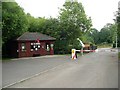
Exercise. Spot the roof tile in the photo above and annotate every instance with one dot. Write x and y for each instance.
(34, 36)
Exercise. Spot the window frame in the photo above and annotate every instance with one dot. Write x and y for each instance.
(23, 44)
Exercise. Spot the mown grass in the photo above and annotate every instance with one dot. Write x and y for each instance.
(104, 45)
(6, 59)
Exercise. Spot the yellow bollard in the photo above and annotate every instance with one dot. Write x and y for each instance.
(73, 54)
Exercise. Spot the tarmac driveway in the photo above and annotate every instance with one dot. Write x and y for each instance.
(18, 69)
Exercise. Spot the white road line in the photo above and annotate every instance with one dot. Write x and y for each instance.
(36, 57)
(22, 80)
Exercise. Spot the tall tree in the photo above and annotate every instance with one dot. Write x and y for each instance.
(93, 36)
(14, 20)
(14, 23)
(35, 24)
(74, 23)
(108, 33)
(118, 25)
(51, 27)
(105, 35)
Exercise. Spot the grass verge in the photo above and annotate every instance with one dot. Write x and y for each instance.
(104, 45)
(6, 59)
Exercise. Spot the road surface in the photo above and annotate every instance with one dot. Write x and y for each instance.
(93, 70)
(18, 69)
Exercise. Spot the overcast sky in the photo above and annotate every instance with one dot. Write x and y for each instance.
(101, 11)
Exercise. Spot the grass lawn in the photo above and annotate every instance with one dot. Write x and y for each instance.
(6, 59)
(104, 45)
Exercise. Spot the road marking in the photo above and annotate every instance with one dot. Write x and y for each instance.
(48, 56)
(22, 80)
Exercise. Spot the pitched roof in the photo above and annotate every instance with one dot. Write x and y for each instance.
(34, 36)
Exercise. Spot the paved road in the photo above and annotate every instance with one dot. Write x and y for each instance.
(17, 70)
(93, 70)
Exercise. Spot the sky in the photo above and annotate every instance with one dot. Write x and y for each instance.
(101, 11)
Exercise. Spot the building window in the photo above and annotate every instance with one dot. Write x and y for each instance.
(35, 46)
(51, 45)
(47, 47)
(23, 47)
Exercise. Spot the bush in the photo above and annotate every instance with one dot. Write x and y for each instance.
(114, 45)
(119, 55)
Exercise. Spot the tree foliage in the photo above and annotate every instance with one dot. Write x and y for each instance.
(118, 26)
(74, 23)
(71, 24)
(105, 35)
(14, 21)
